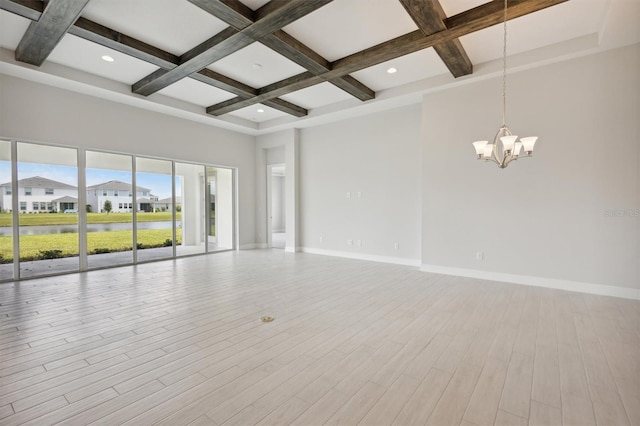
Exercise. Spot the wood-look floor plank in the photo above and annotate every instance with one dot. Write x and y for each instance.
(421, 404)
(389, 405)
(285, 413)
(358, 405)
(544, 415)
(516, 395)
(483, 406)
(505, 418)
(118, 403)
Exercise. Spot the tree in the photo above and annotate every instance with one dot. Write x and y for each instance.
(88, 207)
(107, 206)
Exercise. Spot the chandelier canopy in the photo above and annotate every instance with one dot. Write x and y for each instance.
(505, 147)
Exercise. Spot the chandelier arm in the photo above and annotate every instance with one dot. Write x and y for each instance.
(509, 160)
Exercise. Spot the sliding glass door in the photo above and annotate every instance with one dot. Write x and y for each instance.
(47, 193)
(109, 209)
(6, 213)
(155, 225)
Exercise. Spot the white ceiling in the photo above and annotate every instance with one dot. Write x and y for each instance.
(336, 30)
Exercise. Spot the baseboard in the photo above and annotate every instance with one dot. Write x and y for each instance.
(581, 287)
(362, 256)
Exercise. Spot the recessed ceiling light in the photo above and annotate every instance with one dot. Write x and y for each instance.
(392, 70)
(260, 110)
(256, 66)
(107, 58)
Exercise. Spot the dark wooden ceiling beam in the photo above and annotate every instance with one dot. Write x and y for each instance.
(239, 16)
(478, 18)
(43, 35)
(285, 106)
(270, 18)
(429, 17)
(104, 36)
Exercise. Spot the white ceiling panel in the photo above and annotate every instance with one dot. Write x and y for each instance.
(413, 67)
(12, 28)
(316, 96)
(255, 4)
(172, 25)
(253, 113)
(84, 55)
(344, 27)
(536, 30)
(257, 66)
(196, 92)
(453, 7)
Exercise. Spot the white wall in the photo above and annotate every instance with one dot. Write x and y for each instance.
(378, 156)
(546, 216)
(275, 155)
(34, 112)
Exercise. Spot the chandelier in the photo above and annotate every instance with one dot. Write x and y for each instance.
(505, 147)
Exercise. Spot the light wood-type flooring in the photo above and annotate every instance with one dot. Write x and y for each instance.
(353, 342)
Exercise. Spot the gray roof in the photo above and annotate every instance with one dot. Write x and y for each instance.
(169, 200)
(40, 182)
(144, 201)
(66, 199)
(117, 185)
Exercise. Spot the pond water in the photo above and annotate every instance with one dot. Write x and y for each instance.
(92, 227)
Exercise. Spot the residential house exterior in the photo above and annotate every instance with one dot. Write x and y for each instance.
(166, 204)
(40, 195)
(121, 197)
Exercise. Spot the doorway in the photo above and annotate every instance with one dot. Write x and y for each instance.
(276, 206)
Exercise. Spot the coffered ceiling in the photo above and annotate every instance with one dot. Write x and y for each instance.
(257, 65)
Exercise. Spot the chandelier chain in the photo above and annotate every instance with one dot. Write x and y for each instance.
(504, 69)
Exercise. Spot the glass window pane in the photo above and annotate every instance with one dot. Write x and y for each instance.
(109, 223)
(190, 208)
(154, 226)
(6, 216)
(49, 236)
(220, 209)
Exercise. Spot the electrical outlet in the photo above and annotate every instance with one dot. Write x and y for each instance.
(349, 242)
(348, 194)
(321, 238)
(359, 194)
(396, 246)
(359, 243)
(480, 255)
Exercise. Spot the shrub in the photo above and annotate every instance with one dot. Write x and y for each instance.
(140, 246)
(102, 250)
(88, 208)
(49, 254)
(178, 208)
(167, 243)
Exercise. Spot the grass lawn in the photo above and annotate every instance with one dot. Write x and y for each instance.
(32, 245)
(72, 219)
